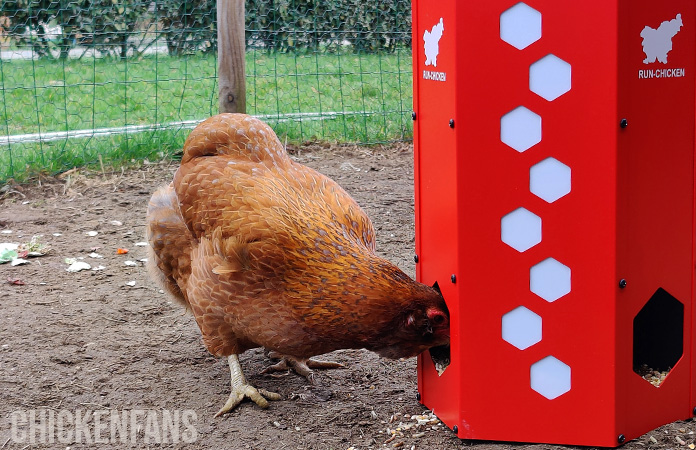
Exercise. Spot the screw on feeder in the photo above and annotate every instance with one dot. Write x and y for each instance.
(413, 115)
(621, 439)
(451, 123)
(622, 283)
(623, 123)
(455, 429)
(453, 278)
(415, 258)
(418, 397)
(694, 410)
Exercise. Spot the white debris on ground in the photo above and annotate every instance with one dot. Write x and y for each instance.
(76, 266)
(15, 254)
(403, 428)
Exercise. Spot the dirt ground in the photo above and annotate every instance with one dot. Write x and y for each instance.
(95, 341)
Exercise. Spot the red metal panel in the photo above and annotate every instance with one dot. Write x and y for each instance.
(630, 213)
(656, 202)
(578, 328)
(436, 194)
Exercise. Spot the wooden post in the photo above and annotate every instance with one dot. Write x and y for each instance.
(231, 49)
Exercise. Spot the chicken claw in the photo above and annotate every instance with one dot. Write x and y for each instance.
(300, 366)
(241, 388)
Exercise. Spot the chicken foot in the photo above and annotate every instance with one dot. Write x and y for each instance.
(241, 388)
(301, 366)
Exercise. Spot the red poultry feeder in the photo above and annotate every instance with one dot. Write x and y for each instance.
(554, 168)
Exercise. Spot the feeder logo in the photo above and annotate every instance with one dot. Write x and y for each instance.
(657, 43)
(431, 45)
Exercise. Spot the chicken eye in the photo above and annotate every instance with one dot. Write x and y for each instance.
(438, 319)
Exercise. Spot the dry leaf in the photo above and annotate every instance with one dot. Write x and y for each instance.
(15, 281)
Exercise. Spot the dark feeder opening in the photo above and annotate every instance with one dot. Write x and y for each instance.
(441, 354)
(658, 337)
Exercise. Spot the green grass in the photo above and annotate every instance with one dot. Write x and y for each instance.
(371, 95)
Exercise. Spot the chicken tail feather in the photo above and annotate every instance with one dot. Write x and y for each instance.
(169, 261)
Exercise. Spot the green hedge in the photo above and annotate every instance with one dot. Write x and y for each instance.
(53, 27)
(291, 25)
(188, 26)
(123, 28)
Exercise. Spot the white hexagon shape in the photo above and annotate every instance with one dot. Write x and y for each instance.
(550, 377)
(549, 179)
(521, 327)
(520, 26)
(520, 129)
(521, 229)
(549, 77)
(549, 280)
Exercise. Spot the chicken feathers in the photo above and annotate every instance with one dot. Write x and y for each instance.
(268, 252)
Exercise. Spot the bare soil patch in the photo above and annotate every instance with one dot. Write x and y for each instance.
(111, 340)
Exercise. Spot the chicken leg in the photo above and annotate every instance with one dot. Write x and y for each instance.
(299, 365)
(241, 388)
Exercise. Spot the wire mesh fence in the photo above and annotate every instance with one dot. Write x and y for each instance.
(110, 82)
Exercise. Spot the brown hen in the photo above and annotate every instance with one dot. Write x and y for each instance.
(268, 252)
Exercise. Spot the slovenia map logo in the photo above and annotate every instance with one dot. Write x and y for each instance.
(657, 43)
(431, 45)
